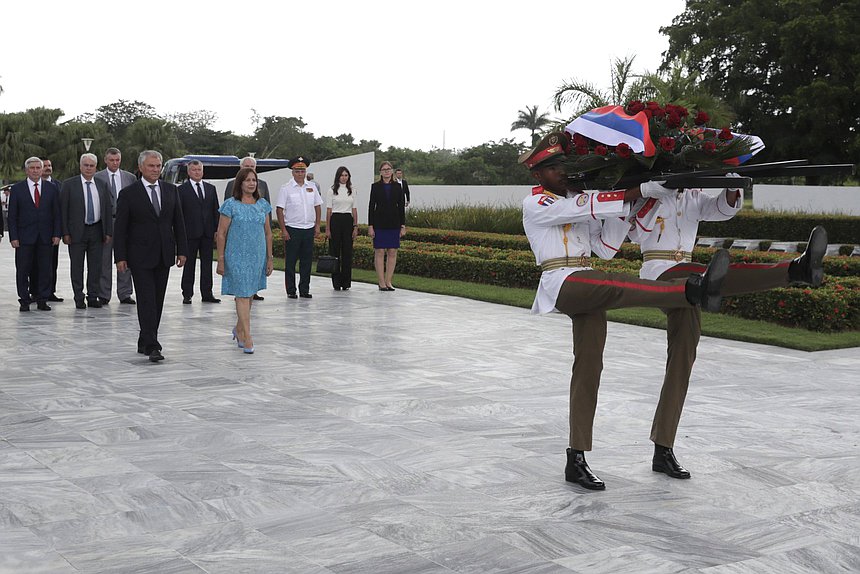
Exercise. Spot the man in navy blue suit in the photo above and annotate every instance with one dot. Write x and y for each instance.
(34, 230)
(199, 201)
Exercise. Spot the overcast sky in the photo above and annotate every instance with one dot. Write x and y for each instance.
(402, 73)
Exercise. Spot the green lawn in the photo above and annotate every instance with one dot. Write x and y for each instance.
(713, 325)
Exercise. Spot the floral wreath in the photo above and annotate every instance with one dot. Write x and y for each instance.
(668, 139)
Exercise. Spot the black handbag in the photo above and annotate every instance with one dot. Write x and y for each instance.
(327, 263)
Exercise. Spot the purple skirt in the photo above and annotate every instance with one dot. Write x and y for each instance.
(386, 238)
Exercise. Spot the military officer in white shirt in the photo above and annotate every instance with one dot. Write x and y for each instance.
(665, 230)
(299, 209)
(564, 228)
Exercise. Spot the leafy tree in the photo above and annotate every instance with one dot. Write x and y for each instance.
(530, 119)
(493, 163)
(150, 133)
(789, 69)
(119, 115)
(584, 96)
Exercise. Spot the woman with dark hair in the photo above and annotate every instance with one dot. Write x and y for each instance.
(341, 226)
(244, 242)
(386, 224)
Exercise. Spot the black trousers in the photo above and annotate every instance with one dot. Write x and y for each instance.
(29, 259)
(202, 247)
(90, 246)
(299, 248)
(340, 246)
(34, 274)
(150, 286)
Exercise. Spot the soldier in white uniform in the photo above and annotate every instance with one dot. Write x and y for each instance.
(665, 230)
(564, 229)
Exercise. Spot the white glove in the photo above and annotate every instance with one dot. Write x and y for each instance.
(656, 190)
(733, 188)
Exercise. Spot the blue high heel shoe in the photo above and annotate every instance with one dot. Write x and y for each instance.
(238, 341)
(248, 350)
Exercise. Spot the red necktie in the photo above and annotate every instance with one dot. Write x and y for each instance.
(36, 196)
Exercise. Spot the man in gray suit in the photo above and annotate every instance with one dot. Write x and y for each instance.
(262, 187)
(115, 179)
(87, 225)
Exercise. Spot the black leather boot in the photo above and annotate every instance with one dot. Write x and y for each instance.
(665, 462)
(704, 289)
(807, 268)
(577, 471)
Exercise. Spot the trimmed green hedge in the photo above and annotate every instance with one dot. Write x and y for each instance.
(835, 306)
(784, 226)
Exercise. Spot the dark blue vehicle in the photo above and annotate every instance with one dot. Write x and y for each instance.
(214, 167)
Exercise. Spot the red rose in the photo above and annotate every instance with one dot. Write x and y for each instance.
(652, 105)
(709, 146)
(579, 139)
(682, 111)
(601, 150)
(726, 134)
(702, 118)
(673, 120)
(581, 150)
(634, 107)
(658, 113)
(648, 113)
(623, 150)
(667, 144)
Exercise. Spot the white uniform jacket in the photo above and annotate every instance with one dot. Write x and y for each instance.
(671, 225)
(574, 226)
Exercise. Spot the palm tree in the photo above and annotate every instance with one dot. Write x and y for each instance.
(680, 86)
(585, 96)
(529, 119)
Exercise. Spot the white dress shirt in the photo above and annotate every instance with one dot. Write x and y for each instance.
(96, 202)
(298, 202)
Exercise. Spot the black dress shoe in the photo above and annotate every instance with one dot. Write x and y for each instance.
(127, 301)
(54, 299)
(704, 289)
(24, 307)
(42, 306)
(186, 300)
(306, 296)
(211, 299)
(156, 356)
(577, 471)
(104, 300)
(292, 296)
(258, 297)
(80, 305)
(807, 269)
(665, 462)
(95, 303)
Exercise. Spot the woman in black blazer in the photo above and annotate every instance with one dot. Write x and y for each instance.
(386, 219)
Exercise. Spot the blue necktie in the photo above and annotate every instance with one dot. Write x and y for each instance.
(154, 200)
(91, 213)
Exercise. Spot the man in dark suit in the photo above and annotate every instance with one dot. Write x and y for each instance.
(48, 175)
(34, 228)
(262, 188)
(199, 201)
(115, 179)
(87, 225)
(149, 236)
(398, 175)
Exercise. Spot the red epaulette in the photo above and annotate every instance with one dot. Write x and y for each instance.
(537, 190)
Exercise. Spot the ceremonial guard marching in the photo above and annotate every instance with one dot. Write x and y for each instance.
(564, 230)
(666, 230)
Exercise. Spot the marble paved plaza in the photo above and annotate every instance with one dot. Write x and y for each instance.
(405, 433)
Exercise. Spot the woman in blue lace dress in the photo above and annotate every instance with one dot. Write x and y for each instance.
(244, 242)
